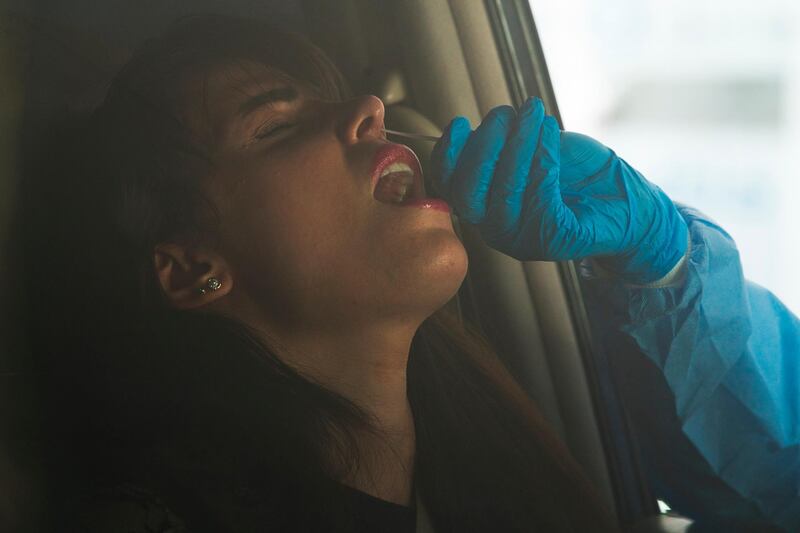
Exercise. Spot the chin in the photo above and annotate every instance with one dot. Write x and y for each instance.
(435, 274)
(449, 268)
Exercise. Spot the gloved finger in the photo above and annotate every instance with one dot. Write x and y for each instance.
(514, 169)
(557, 228)
(581, 158)
(446, 152)
(475, 170)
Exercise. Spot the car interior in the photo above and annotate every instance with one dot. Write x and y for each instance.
(428, 60)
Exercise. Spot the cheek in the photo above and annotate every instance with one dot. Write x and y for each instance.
(292, 221)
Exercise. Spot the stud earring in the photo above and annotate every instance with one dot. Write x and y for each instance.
(212, 284)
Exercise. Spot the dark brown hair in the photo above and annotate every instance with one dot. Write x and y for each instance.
(193, 405)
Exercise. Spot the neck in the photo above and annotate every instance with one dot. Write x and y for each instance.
(368, 368)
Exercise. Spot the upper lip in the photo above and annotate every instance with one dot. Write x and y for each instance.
(397, 153)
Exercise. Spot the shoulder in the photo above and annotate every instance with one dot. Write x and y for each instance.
(125, 509)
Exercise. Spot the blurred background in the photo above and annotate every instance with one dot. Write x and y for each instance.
(703, 98)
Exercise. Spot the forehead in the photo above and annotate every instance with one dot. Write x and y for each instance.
(223, 89)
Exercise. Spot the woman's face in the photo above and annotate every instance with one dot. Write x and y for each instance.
(305, 239)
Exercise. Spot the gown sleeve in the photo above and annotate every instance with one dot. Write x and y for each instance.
(708, 368)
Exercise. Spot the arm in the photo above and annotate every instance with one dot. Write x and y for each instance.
(717, 407)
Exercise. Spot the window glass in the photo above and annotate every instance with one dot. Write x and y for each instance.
(703, 98)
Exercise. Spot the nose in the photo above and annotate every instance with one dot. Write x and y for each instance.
(361, 118)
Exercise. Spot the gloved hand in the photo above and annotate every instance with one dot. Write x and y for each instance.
(537, 193)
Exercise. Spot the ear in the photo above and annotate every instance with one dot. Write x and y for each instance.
(184, 273)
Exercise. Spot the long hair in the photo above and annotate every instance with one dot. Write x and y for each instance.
(195, 405)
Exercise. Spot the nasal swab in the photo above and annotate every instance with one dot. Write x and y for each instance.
(412, 135)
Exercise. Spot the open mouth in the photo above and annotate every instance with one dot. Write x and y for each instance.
(395, 184)
(397, 176)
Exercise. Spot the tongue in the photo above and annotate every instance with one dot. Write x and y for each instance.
(392, 187)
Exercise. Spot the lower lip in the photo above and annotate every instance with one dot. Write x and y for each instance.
(427, 203)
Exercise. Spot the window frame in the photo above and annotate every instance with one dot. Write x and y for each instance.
(526, 72)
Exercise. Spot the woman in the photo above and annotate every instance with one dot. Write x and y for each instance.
(252, 333)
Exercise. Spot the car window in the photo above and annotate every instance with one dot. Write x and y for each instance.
(703, 98)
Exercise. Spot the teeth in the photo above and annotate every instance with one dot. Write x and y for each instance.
(396, 167)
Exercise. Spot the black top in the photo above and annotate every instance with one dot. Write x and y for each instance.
(133, 510)
(382, 516)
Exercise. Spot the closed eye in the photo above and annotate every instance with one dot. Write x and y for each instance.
(272, 129)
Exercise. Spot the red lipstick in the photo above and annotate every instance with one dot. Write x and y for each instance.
(397, 153)
(427, 203)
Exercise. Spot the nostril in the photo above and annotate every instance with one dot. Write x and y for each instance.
(362, 118)
(365, 126)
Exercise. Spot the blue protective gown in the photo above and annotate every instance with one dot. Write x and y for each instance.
(708, 369)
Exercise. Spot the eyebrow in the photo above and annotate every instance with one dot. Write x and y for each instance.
(281, 94)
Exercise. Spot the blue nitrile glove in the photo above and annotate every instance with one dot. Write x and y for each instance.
(539, 194)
